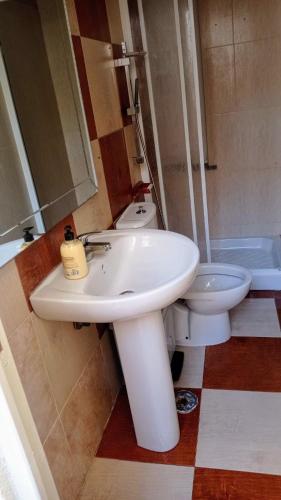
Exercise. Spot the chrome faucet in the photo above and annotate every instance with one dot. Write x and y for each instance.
(93, 246)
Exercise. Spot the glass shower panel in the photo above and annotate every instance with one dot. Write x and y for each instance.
(240, 49)
(189, 38)
(160, 27)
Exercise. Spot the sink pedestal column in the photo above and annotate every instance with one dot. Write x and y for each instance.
(146, 367)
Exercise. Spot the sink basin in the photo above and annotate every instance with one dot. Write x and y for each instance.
(143, 272)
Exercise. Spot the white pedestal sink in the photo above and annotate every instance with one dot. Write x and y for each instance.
(145, 271)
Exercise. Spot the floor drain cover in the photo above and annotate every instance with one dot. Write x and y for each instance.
(186, 401)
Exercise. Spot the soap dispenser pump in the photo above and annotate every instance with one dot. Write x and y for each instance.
(73, 256)
(28, 237)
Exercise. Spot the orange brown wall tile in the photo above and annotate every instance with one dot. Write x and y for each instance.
(72, 378)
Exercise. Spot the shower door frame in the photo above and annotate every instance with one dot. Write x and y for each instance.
(199, 109)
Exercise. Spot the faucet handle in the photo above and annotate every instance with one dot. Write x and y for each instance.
(84, 236)
(98, 245)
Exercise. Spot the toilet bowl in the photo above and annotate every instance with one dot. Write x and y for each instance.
(203, 319)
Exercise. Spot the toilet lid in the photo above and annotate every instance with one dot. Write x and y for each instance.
(136, 215)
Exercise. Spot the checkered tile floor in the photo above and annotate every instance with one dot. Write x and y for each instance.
(230, 446)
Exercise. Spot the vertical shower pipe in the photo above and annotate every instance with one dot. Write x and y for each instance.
(185, 122)
(153, 115)
(199, 128)
(131, 73)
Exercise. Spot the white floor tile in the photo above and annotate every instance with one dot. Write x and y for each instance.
(123, 480)
(240, 430)
(255, 318)
(193, 367)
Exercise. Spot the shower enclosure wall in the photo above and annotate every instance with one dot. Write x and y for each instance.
(213, 68)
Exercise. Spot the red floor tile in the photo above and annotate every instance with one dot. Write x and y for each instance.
(119, 440)
(261, 294)
(212, 484)
(264, 294)
(244, 363)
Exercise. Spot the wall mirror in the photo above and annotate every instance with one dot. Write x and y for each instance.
(46, 165)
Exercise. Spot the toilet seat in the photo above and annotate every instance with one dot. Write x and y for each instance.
(216, 279)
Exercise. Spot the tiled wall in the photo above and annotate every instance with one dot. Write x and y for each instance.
(241, 46)
(71, 378)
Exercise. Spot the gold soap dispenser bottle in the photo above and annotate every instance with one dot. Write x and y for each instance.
(73, 256)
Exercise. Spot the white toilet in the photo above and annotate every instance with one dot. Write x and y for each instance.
(204, 319)
(201, 316)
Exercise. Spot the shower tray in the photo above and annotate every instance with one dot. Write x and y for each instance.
(262, 256)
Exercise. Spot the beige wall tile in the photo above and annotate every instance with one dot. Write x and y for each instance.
(112, 366)
(215, 18)
(219, 79)
(245, 230)
(114, 21)
(72, 17)
(246, 140)
(66, 352)
(176, 186)
(220, 230)
(256, 20)
(260, 195)
(81, 423)
(259, 138)
(257, 229)
(130, 138)
(33, 375)
(244, 202)
(61, 463)
(258, 73)
(100, 388)
(95, 214)
(103, 85)
(224, 199)
(13, 306)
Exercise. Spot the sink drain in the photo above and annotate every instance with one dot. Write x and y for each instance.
(186, 401)
(126, 291)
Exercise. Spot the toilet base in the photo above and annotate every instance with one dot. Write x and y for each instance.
(203, 330)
